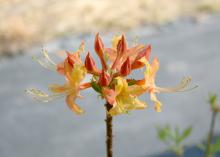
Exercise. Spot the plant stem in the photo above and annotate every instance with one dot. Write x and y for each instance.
(210, 135)
(109, 136)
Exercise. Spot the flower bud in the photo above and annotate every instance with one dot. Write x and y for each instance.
(70, 59)
(73, 58)
(126, 67)
(99, 47)
(122, 46)
(104, 79)
(90, 65)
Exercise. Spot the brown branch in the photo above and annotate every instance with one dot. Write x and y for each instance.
(109, 141)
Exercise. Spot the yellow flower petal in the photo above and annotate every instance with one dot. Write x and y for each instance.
(55, 88)
(157, 103)
(125, 101)
(72, 105)
(136, 90)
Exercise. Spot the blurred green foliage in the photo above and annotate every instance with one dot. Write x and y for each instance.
(174, 138)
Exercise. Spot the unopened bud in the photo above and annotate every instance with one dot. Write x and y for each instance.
(90, 64)
(70, 59)
(122, 46)
(126, 67)
(104, 79)
(99, 47)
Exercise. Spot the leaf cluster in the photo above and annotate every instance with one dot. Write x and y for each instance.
(174, 138)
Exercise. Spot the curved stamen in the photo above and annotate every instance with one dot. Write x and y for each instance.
(179, 88)
(45, 61)
(42, 96)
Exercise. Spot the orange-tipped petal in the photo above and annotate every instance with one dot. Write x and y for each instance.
(67, 70)
(104, 79)
(157, 103)
(137, 64)
(71, 104)
(70, 59)
(55, 88)
(144, 53)
(154, 67)
(90, 65)
(99, 48)
(140, 82)
(148, 52)
(85, 85)
(126, 68)
(73, 58)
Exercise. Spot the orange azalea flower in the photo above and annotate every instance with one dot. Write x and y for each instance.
(109, 80)
(148, 83)
(74, 71)
(121, 98)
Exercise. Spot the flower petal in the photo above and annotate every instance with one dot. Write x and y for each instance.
(125, 101)
(55, 88)
(136, 90)
(72, 105)
(157, 103)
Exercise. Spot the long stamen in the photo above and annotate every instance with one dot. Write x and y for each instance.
(46, 61)
(179, 88)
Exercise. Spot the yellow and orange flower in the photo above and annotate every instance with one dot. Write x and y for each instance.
(74, 71)
(111, 80)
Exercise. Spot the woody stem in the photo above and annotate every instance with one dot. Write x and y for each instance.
(109, 141)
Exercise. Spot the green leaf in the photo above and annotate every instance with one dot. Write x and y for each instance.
(163, 133)
(185, 133)
(96, 87)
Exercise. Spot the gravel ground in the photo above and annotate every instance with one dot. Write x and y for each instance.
(32, 129)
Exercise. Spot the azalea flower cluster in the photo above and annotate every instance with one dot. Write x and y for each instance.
(111, 80)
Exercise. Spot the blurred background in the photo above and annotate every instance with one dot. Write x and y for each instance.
(185, 35)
